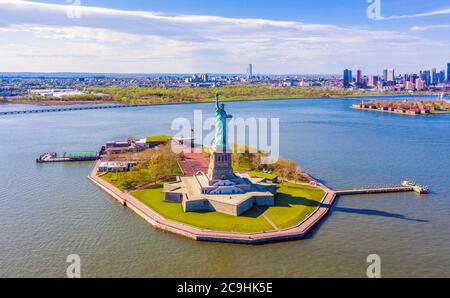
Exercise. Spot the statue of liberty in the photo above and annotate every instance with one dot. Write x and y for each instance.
(220, 139)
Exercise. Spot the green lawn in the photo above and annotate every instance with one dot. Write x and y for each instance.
(251, 221)
(244, 166)
(293, 204)
(113, 178)
(263, 175)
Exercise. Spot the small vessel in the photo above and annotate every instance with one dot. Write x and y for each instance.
(422, 189)
(46, 157)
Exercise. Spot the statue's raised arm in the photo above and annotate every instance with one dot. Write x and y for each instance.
(217, 101)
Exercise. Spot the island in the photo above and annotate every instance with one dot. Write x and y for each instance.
(213, 193)
(405, 107)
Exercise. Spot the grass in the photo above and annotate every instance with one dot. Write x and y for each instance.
(293, 204)
(118, 179)
(251, 221)
(263, 175)
(162, 138)
(244, 166)
(115, 179)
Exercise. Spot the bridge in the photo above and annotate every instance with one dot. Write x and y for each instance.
(66, 109)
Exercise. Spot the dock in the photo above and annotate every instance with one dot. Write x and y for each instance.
(405, 186)
(68, 157)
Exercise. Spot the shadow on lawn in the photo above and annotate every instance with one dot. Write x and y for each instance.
(255, 212)
(285, 200)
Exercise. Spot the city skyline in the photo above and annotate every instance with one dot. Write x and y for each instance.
(173, 37)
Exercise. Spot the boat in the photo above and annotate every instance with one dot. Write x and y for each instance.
(422, 189)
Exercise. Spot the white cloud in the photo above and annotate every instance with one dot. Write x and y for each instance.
(430, 27)
(110, 40)
(439, 12)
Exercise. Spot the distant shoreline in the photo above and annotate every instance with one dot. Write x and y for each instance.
(233, 99)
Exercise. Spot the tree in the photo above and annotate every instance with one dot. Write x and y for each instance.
(154, 167)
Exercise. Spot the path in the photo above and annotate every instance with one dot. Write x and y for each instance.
(268, 220)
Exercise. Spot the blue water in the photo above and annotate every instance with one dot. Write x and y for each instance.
(50, 211)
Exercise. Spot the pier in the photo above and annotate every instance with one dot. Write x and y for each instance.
(406, 186)
(68, 157)
(66, 109)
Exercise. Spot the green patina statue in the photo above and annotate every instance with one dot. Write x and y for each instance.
(220, 139)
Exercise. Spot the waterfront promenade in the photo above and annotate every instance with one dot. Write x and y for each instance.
(157, 221)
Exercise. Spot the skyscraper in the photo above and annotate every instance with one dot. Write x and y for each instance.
(426, 77)
(391, 75)
(347, 78)
(385, 74)
(372, 81)
(250, 71)
(433, 76)
(441, 77)
(358, 76)
(448, 72)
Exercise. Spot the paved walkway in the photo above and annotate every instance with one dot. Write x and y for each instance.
(158, 221)
(268, 219)
(194, 163)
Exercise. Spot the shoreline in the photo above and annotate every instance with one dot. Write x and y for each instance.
(398, 113)
(298, 231)
(50, 103)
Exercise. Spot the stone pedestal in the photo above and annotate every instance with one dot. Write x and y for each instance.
(220, 167)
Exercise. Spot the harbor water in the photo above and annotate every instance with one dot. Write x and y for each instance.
(49, 211)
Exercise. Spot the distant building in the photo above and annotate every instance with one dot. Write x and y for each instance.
(409, 86)
(419, 84)
(391, 75)
(204, 77)
(359, 76)
(448, 72)
(373, 81)
(347, 78)
(441, 77)
(433, 76)
(250, 71)
(385, 74)
(426, 77)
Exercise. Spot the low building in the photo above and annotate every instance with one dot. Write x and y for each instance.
(114, 166)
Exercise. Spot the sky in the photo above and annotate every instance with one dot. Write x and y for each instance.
(204, 36)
